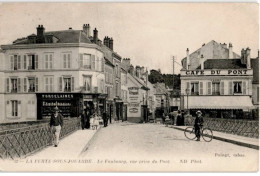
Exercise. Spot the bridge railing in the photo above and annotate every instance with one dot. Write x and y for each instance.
(247, 128)
(21, 142)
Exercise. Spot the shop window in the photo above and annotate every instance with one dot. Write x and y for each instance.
(14, 104)
(216, 88)
(194, 88)
(237, 87)
(14, 85)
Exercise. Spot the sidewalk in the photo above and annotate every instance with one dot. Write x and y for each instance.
(69, 147)
(231, 138)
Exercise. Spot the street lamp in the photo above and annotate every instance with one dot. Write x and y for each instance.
(187, 93)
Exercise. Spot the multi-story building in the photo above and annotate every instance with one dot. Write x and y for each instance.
(57, 68)
(124, 92)
(218, 87)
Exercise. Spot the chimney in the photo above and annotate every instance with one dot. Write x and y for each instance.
(95, 37)
(138, 70)
(243, 53)
(111, 43)
(86, 29)
(202, 62)
(248, 58)
(105, 41)
(224, 45)
(126, 63)
(40, 34)
(230, 51)
(188, 59)
(131, 70)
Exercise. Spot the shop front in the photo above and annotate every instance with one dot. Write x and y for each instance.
(68, 103)
(94, 103)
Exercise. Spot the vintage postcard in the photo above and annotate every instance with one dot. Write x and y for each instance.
(129, 87)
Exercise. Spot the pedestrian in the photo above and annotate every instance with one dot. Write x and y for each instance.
(198, 124)
(105, 118)
(56, 123)
(171, 115)
(83, 119)
(163, 118)
(87, 119)
(178, 118)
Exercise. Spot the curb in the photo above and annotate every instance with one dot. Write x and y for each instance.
(90, 142)
(256, 147)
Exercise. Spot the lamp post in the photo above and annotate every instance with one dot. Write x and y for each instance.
(187, 93)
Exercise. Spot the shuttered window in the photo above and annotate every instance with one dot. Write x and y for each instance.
(25, 84)
(36, 84)
(209, 88)
(60, 83)
(24, 62)
(201, 88)
(19, 62)
(221, 88)
(93, 66)
(244, 87)
(19, 85)
(7, 85)
(230, 88)
(11, 62)
(72, 83)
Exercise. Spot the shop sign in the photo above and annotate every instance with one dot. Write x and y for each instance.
(57, 96)
(133, 90)
(217, 72)
(133, 110)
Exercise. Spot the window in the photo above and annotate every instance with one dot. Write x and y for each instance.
(67, 84)
(48, 60)
(216, 88)
(33, 62)
(237, 87)
(66, 60)
(14, 85)
(87, 83)
(31, 84)
(194, 88)
(85, 61)
(14, 62)
(48, 83)
(14, 104)
(117, 90)
(209, 88)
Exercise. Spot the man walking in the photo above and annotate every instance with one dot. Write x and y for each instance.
(105, 118)
(56, 123)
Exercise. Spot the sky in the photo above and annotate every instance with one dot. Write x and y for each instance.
(150, 34)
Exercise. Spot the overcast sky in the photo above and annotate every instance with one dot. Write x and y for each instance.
(149, 34)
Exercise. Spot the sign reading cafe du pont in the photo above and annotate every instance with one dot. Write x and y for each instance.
(217, 72)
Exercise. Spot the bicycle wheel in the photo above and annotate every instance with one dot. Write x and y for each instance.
(189, 133)
(207, 134)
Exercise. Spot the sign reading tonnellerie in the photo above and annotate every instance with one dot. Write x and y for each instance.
(217, 72)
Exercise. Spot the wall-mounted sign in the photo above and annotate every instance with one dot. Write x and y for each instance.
(218, 72)
(57, 96)
(133, 90)
(133, 110)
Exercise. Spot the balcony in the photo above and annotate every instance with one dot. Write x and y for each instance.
(194, 93)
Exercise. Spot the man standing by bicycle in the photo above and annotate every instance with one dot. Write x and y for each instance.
(198, 124)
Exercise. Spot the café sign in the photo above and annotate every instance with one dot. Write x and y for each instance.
(217, 72)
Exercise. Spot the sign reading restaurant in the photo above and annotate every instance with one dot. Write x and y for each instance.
(217, 72)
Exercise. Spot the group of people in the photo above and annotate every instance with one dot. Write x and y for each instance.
(87, 121)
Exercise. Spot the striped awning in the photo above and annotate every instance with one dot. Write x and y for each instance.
(219, 102)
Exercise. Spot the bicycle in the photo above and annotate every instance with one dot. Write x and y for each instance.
(206, 133)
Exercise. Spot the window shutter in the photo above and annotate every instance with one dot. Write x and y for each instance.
(24, 62)
(12, 62)
(80, 60)
(244, 87)
(25, 84)
(36, 84)
(19, 62)
(209, 88)
(19, 109)
(64, 61)
(7, 85)
(60, 83)
(187, 87)
(72, 83)
(68, 60)
(8, 109)
(230, 88)
(36, 62)
(51, 59)
(221, 88)
(51, 84)
(93, 62)
(19, 84)
(201, 88)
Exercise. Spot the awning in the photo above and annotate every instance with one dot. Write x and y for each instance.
(219, 102)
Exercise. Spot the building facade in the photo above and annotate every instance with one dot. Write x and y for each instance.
(58, 68)
(220, 88)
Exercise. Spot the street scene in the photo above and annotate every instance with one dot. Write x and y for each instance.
(110, 91)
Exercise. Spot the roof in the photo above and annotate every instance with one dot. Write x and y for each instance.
(227, 102)
(65, 36)
(223, 64)
(255, 67)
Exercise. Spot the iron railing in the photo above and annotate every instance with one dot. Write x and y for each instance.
(247, 128)
(21, 142)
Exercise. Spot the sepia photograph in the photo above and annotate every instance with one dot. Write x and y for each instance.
(129, 87)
